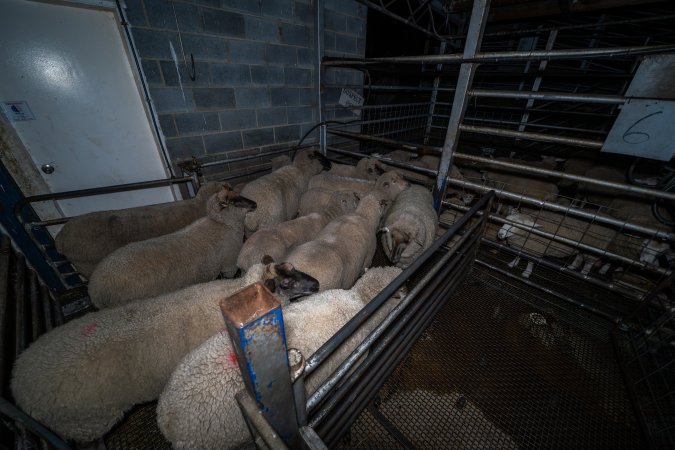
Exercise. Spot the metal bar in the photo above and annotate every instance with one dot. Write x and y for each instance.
(250, 410)
(408, 22)
(578, 142)
(613, 287)
(18, 416)
(424, 149)
(479, 14)
(20, 304)
(99, 191)
(221, 162)
(434, 94)
(551, 206)
(311, 439)
(502, 193)
(343, 369)
(5, 248)
(35, 312)
(498, 57)
(581, 246)
(585, 307)
(255, 325)
(559, 96)
(386, 356)
(338, 338)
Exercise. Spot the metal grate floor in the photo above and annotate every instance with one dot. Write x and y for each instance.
(499, 371)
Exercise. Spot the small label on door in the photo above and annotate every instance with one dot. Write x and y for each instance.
(17, 111)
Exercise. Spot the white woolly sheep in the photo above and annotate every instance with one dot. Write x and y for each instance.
(197, 408)
(332, 182)
(278, 194)
(197, 253)
(87, 239)
(279, 239)
(344, 248)
(577, 230)
(80, 378)
(280, 161)
(366, 168)
(410, 226)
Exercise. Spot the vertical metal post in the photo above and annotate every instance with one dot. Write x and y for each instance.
(255, 324)
(434, 95)
(537, 81)
(318, 36)
(474, 36)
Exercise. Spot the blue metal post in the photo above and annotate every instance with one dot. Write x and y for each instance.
(256, 327)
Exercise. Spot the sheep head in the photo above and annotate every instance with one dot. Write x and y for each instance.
(286, 281)
(227, 197)
(311, 161)
(371, 167)
(391, 184)
(395, 241)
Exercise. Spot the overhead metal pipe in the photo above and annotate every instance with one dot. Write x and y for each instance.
(424, 149)
(559, 96)
(542, 137)
(493, 57)
(374, 6)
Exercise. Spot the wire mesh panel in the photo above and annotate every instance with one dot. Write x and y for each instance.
(495, 371)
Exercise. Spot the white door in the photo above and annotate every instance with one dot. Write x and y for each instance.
(67, 88)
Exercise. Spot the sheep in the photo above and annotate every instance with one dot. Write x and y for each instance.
(197, 408)
(399, 155)
(600, 195)
(79, 379)
(278, 240)
(593, 234)
(197, 253)
(316, 199)
(345, 247)
(409, 226)
(280, 161)
(575, 166)
(87, 239)
(278, 193)
(518, 184)
(366, 168)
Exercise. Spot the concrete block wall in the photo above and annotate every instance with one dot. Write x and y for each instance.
(255, 60)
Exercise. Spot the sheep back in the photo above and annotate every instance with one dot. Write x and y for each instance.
(413, 217)
(197, 408)
(87, 239)
(80, 378)
(333, 182)
(197, 253)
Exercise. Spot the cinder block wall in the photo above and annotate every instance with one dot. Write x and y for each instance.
(255, 60)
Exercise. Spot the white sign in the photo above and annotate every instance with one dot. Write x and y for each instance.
(17, 111)
(349, 98)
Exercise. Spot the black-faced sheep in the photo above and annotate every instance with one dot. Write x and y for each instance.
(80, 378)
(410, 226)
(197, 253)
(87, 239)
(278, 193)
(345, 247)
(197, 408)
(276, 241)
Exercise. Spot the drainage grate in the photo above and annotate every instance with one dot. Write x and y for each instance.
(494, 371)
(139, 430)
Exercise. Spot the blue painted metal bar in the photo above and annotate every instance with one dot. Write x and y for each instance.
(255, 324)
(11, 196)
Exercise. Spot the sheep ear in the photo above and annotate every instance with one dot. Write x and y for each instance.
(271, 285)
(379, 170)
(384, 203)
(267, 259)
(243, 202)
(400, 241)
(357, 197)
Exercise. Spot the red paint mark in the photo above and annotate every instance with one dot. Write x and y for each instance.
(89, 329)
(228, 361)
(233, 359)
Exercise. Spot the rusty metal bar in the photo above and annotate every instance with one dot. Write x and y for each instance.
(557, 96)
(479, 14)
(255, 324)
(528, 135)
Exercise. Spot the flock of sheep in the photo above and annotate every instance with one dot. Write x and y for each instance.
(307, 233)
